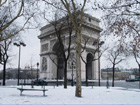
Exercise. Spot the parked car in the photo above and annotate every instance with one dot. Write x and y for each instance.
(132, 80)
(39, 82)
(70, 80)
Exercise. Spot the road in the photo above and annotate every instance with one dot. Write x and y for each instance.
(103, 83)
(122, 84)
(14, 82)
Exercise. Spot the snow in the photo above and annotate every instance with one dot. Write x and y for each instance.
(59, 95)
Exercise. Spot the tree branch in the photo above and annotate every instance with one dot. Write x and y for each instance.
(9, 23)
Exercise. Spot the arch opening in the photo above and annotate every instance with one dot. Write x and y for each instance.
(60, 60)
(89, 66)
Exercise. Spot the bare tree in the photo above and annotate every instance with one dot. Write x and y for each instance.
(135, 72)
(115, 55)
(63, 50)
(12, 12)
(70, 7)
(5, 24)
(6, 43)
(77, 28)
(135, 46)
(15, 11)
(120, 18)
(98, 44)
(62, 45)
(5, 49)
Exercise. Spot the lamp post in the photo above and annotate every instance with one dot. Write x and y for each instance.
(72, 73)
(19, 45)
(37, 70)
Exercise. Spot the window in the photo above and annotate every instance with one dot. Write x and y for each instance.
(89, 19)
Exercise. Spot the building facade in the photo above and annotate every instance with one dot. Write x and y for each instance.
(51, 62)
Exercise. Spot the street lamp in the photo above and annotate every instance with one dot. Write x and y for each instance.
(19, 45)
(72, 73)
(37, 70)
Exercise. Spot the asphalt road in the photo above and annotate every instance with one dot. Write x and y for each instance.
(14, 82)
(103, 83)
(121, 84)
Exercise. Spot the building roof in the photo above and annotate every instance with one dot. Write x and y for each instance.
(86, 15)
(94, 26)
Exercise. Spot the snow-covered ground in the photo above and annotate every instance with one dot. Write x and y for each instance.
(59, 95)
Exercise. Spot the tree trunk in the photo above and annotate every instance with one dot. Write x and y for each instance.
(139, 76)
(86, 76)
(4, 73)
(0, 54)
(99, 69)
(113, 75)
(65, 75)
(78, 65)
(57, 76)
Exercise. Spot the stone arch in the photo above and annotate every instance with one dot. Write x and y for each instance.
(89, 66)
(60, 60)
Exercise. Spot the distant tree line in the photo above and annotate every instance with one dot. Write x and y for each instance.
(24, 74)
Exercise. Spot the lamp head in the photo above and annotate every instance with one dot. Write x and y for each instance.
(37, 64)
(23, 44)
(102, 42)
(16, 44)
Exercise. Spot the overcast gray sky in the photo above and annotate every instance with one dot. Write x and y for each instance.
(29, 53)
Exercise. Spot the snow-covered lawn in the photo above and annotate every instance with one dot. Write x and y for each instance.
(59, 95)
